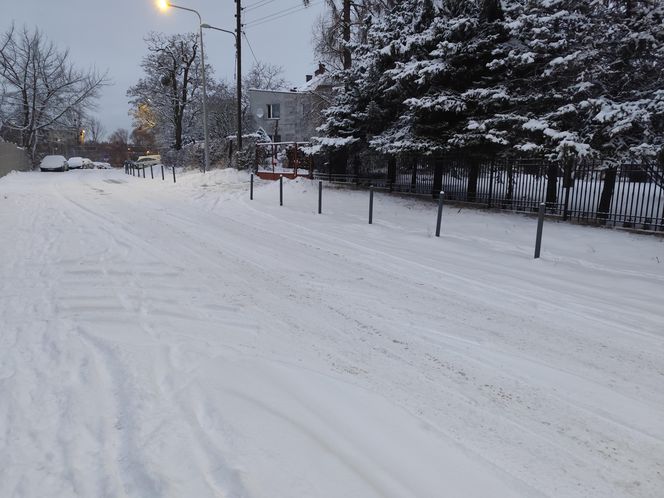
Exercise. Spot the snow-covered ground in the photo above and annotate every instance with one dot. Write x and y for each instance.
(179, 340)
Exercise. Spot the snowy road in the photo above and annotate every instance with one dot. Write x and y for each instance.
(161, 340)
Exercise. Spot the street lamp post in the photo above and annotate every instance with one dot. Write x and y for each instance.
(238, 40)
(164, 5)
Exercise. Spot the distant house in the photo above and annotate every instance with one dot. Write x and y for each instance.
(63, 135)
(292, 115)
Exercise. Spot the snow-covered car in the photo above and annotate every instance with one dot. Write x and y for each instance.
(75, 162)
(87, 163)
(147, 161)
(102, 165)
(54, 163)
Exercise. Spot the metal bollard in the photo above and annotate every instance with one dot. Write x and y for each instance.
(281, 190)
(162, 172)
(320, 197)
(371, 195)
(143, 171)
(251, 188)
(440, 212)
(174, 175)
(151, 173)
(540, 227)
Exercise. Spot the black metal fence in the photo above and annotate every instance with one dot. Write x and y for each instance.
(627, 195)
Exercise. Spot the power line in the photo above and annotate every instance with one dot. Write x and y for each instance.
(257, 5)
(280, 14)
(250, 48)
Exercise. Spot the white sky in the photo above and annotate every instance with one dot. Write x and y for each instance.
(109, 34)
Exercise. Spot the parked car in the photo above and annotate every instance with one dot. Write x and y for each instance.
(54, 163)
(87, 163)
(147, 161)
(75, 162)
(102, 165)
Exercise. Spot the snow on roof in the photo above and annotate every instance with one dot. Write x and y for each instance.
(325, 79)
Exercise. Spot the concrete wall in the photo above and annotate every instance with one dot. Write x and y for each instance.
(13, 158)
(295, 123)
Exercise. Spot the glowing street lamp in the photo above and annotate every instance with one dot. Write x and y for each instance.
(164, 5)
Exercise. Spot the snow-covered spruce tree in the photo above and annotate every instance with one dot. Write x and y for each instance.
(557, 77)
(370, 99)
(626, 107)
(450, 85)
(578, 73)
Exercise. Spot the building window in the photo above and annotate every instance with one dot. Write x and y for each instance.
(273, 111)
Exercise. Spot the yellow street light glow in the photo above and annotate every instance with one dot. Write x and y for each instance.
(163, 5)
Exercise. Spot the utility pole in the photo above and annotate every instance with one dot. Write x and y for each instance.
(238, 51)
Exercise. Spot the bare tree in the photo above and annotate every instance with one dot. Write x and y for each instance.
(167, 99)
(119, 136)
(265, 76)
(344, 22)
(41, 87)
(143, 138)
(95, 129)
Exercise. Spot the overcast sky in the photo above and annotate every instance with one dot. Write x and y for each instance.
(109, 34)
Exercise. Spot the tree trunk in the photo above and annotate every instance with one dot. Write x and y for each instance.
(491, 11)
(346, 34)
(437, 177)
(629, 7)
(510, 183)
(338, 161)
(551, 185)
(413, 174)
(604, 208)
(178, 131)
(391, 172)
(473, 174)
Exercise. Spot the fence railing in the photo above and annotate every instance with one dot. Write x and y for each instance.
(628, 195)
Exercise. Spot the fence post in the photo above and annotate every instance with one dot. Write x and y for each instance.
(162, 172)
(251, 187)
(143, 171)
(174, 175)
(371, 195)
(320, 197)
(281, 190)
(151, 172)
(440, 212)
(540, 226)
